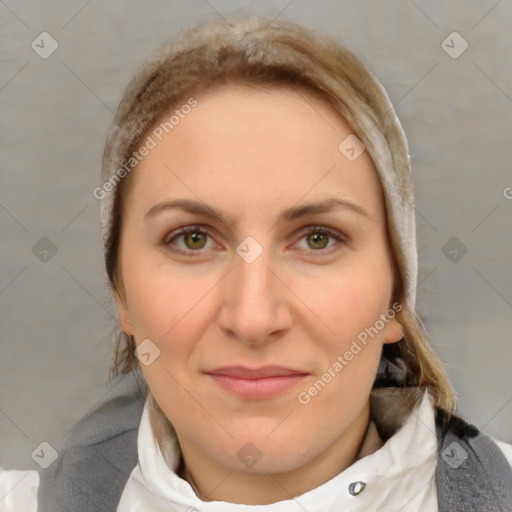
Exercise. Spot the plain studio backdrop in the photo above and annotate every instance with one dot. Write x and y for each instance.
(64, 67)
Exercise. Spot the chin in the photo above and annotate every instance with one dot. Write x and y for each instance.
(255, 454)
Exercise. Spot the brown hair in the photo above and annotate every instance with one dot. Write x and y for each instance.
(261, 52)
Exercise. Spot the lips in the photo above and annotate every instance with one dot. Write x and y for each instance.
(256, 383)
(241, 372)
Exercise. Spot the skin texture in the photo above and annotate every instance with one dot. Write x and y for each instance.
(252, 153)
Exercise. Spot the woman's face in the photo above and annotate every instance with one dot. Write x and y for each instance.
(287, 264)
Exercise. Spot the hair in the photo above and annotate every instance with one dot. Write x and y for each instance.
(258, 51)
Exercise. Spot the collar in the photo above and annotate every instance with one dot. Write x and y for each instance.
(410, 448)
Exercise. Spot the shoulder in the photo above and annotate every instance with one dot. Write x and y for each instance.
(100, 452)
(473, 472)
(105, 433)
(506, 448)
(459, 428)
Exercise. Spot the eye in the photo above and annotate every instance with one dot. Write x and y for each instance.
(190, 240)
(319, 238)
(193, 238)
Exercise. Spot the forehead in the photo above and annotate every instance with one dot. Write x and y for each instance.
(261, 144)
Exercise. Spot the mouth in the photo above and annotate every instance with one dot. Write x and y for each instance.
(259, 383)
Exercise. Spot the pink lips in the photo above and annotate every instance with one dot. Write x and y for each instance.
(256, 383)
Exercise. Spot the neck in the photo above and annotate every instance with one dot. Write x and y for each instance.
(212, 481)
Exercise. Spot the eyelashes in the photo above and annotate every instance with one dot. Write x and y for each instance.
(199, 236)
(189, 233)
(327, 234)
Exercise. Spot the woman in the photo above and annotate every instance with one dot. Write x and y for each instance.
(258, 220)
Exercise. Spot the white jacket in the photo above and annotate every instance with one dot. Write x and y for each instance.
(398, 476)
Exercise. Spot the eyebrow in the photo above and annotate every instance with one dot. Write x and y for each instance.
(290, 214)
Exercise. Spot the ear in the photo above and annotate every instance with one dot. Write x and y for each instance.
(123, 313)
(394, 331)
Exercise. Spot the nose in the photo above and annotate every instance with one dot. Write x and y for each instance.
(255, 303)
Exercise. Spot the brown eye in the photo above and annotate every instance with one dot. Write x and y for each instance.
(318, 240)
(189, 241)
(195, 240)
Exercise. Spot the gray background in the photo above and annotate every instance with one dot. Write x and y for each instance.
(56, 315)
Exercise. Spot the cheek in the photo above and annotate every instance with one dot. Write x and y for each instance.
(172, 311)
(350, 350)
(161, 301)
(348, 301)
